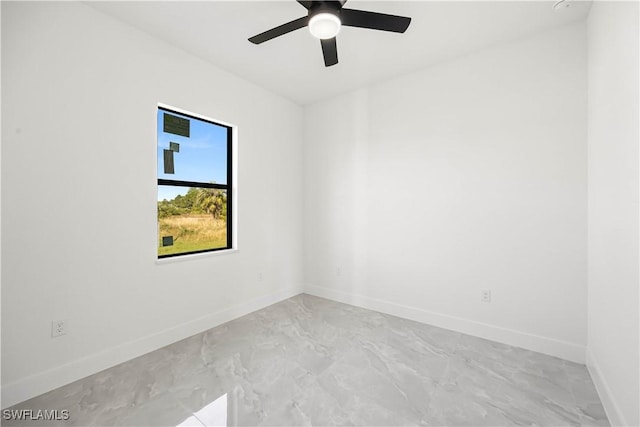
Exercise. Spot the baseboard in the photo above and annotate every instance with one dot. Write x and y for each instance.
(553, 347)
(43, 382)
(616, 418)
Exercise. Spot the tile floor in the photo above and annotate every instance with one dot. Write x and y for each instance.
(310, 361)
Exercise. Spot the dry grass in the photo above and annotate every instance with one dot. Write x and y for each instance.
(191, 233)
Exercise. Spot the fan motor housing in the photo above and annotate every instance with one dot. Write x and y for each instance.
(318, 6)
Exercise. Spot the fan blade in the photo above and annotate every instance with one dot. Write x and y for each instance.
(280, 30)
(306, 4)
(374, 20)
(329, 51)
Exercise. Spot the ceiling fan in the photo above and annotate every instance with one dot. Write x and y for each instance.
(324, 20)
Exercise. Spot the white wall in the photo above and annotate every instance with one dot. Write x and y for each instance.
(613, 322)
(422, 191)
(79, 96)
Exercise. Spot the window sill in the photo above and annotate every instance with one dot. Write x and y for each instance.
(189, 257)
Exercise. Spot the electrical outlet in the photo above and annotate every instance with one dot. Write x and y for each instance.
(338, 271)
(58, 328)
(260, 277)
(485, 295)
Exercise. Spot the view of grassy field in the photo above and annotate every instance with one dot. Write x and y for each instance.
(192, 232)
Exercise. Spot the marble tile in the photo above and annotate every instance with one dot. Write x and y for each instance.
(588, 403)
(311, 361)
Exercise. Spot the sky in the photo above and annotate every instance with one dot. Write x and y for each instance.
(202, 156)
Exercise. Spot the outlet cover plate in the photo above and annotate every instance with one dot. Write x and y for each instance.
(58, 328)
(485, 295)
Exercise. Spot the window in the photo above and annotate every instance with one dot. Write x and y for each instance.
(194, 184)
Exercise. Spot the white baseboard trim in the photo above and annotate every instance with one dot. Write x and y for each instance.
(553, 347)
(616, 418)
(42, 382)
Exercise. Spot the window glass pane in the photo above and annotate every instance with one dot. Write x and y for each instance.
(191, 149)
(191, 219)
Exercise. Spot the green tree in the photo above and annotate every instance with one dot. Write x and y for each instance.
(212, 201)
(167, 208)
(188, 201)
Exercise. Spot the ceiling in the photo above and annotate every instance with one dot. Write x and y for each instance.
(292, 65)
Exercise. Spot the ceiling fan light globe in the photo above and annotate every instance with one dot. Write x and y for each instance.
(324, 25)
